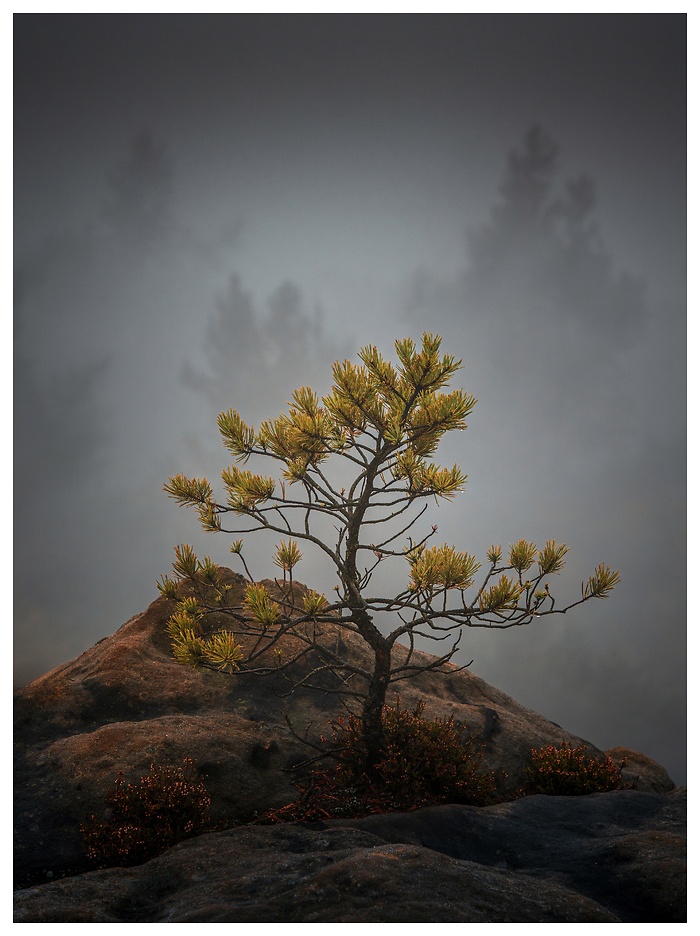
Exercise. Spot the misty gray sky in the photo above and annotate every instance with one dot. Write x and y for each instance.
(211, 209)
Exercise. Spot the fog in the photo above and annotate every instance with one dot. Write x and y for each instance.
(210, 210)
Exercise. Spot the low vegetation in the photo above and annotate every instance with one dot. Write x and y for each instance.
(571, 771)
(424, 762)
(144, 819)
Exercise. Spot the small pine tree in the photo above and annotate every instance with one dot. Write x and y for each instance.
(361, 458)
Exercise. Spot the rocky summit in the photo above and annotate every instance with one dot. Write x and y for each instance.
(125, 704)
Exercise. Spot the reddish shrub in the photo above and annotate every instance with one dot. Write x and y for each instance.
(146, 818)
(424, 762)
(567, 771)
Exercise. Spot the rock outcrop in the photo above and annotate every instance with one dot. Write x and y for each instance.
(606, 858)
(125, 704)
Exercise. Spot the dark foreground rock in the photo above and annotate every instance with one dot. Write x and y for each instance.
(607, 858)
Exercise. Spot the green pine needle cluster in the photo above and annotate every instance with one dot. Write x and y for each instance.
(601, 583)
(287, 555)
(551, 557)
(245, 489)
(501, 596)
(314, 602)
(261, 606)
(441, 567)
(522, 555)
(218, 650)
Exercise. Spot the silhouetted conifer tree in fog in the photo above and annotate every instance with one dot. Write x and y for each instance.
(62, 423)
(540, 256)
(254, 354)
(139, 204)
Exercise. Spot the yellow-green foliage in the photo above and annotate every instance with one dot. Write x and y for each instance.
(220, 649)
(441, 567)
(493, 554)
(238, 438)
(522, 555)
(189, 490)
(423, 477)
(601, 583)
(223, 652)
(262, 607)
(167, 587)
(313, 602)
(551, 557)
(504, 594)
(188, 647)
(287, 555)
(403, 405)
(246, 489)
(186, 564)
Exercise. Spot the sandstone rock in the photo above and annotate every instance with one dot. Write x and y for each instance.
(605, 858)
(125, 703)
(641, 771)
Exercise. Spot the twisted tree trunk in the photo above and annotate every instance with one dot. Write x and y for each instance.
(372, 724)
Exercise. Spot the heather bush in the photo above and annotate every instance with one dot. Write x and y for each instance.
(146, 818)
(423, 762)
(568, 771)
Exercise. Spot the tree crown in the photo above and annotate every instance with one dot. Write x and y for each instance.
(379, 426)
